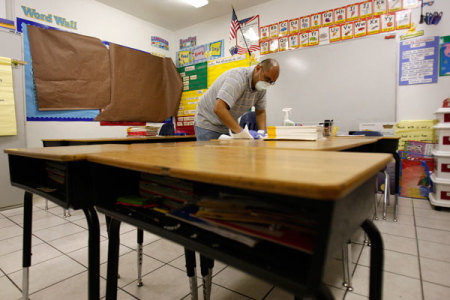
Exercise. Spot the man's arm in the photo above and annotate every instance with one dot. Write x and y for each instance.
(261, 119)
(222, 111)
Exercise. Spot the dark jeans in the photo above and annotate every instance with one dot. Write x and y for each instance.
(203, 134)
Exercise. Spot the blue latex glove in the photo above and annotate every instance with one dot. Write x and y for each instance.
(255, 134)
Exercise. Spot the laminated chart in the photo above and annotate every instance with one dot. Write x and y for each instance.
(419, 61)
(218, 66)
(8, 124)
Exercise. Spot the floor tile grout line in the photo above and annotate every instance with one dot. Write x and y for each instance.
(435, 283)
(12, 281)
(418, 255)
(268, 293)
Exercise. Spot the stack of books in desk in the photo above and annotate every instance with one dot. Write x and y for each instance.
(56, 172)
(310, 133)
(143, 131)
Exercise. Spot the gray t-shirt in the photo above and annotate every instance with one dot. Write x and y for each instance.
(234, 87)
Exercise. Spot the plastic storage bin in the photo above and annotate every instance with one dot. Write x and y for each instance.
(443, 115)
(441, 164)
(441, 192)
(443, 136)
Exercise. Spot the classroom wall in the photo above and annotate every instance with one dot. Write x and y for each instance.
(3, 9)
(104, 22)
(413, 102)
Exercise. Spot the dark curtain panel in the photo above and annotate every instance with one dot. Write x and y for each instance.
(144, 87)
(71, 71)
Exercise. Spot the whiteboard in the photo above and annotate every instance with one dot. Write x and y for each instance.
(350, 82)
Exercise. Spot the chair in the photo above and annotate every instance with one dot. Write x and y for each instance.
(249, 119)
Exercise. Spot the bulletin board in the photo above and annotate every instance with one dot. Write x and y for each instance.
(351, 83)
(218, 66)
(33, 114)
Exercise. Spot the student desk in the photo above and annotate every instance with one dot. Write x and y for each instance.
(118, 140)
(28, 170)
(372, 144)
(336, 188)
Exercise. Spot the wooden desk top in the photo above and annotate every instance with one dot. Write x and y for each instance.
(65, 153)
(119, 139)
(326, 144)
(311, 174)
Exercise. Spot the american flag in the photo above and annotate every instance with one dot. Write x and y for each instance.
(234, 27)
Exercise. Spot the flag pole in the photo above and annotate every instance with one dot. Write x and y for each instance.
(240, 28)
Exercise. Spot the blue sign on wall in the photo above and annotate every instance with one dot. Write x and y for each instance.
(419, 61)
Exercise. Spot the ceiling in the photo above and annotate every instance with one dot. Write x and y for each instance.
(177, 14)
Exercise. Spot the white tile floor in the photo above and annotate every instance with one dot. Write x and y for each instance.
(417, 260)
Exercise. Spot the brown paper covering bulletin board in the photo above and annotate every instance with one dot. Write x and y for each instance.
(71, 71)
(145, 87)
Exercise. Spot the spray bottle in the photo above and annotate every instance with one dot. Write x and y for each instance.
(286, 121)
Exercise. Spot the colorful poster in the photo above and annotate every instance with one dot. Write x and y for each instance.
(335, 34)
(324, 36)
(316, 21)
(387, 23)
(283, 43)
(284, 28)
(395, 5)
(264, 47)
(264, 33)
(360, 28)
(304, 39)
(305, 23)
(419, 61)
(195, 77)
(403, 19)
(249, 39)
(273, 31)
(411, 3)
(366, 10)
(347, 31)
(161, 43)
(444, 69)
(215, 50)
(313, 38)
(353, 12)
(373, 26)
(183, 58)
(327, 18)
(293, 42)
(339, 15)
(379, 7)
(188, 43)
(293, 26)
(8, 125)
(273, 46)
(199, 54)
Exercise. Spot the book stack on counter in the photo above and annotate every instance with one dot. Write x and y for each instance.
(309, 133)
(143, 131)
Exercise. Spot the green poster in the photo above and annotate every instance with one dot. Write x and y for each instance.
(444, 69)
(195, 77)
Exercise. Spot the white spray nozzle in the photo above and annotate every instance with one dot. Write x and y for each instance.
(286, 121)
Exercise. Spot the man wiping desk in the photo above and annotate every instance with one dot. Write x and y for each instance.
(230, 96)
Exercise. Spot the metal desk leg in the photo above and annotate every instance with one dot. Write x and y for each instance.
(206, 265)
(387, 193)
(26, 252)
(190, 269)
(346, 262)
(140, 240)
(94, 253)
(376, 260)
(113, 259)
(397, 183)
